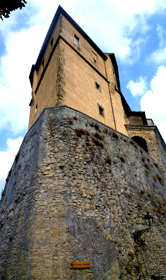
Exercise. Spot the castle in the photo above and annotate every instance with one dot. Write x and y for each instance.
(87, 172)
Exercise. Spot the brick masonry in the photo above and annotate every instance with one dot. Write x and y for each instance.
(77, 191)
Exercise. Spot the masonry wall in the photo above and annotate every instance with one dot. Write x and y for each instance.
(85, 49)
(67, 75)
(155, 143)
(80, 88)
(46, 93)
(77, 191)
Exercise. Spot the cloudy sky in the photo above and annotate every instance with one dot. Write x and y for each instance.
(134, 30)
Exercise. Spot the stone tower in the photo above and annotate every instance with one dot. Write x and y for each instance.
(75, 199)
(71, 70)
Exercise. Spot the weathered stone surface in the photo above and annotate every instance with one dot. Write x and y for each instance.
(77, 192)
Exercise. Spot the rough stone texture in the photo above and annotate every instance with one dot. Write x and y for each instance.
(60, 82)
(76, 192)
(155, 143)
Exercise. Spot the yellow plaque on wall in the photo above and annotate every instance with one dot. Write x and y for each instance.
(79, 264)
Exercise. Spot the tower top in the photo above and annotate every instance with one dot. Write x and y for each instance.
(59, 11)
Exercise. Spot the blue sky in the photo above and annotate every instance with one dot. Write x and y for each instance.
(135, 31)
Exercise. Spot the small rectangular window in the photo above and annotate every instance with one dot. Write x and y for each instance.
(42, 63)
(76, 41)
(98, 87)
(94, 57)
(101, 111)
(51, 42)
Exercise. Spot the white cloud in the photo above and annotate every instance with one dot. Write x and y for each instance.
(7, 158)
(111, 24)
(154, 100)
(159, 56)
(22, 49)
(138, 87)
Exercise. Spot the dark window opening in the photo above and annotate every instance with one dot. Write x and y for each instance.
(101, 111)
(43, 63)
(76, 41)
(51, 42)
(36, 109)
(141, 142)
(94, 56)
(98, 86)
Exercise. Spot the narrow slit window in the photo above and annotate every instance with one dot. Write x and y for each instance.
(94, 57)
(101, 111)
(76, 41)
(51, 42)
(42, 64)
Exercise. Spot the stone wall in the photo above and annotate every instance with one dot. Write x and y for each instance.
(77, 191)
(69, 75)
(155, 143)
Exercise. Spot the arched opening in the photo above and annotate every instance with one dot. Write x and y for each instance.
(141, 142)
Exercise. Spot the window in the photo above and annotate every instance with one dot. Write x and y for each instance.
(76, 41)
(42, 64)
(101, 111)
(36, 109)
(98, 87)
(51, 42)
(94, 57)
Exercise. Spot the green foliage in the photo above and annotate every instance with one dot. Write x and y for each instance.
(17, 157)
(8, 6)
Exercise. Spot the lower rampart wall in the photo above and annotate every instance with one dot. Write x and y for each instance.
(77, 191)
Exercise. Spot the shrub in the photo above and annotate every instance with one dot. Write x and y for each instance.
(147, 166)
(161, 180)
(108, 160)
(133, 143)
(96, 126)
(98, 136)
(80, 132)
(9, 172)
(122, 159)
(3, 193)
(17, 156)
(87, 143)
(115, 135)
(142, 191)
(70, 121)
(156, 164)
(143, 158)
(155, 177)
(105, 130)
(97, 142)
